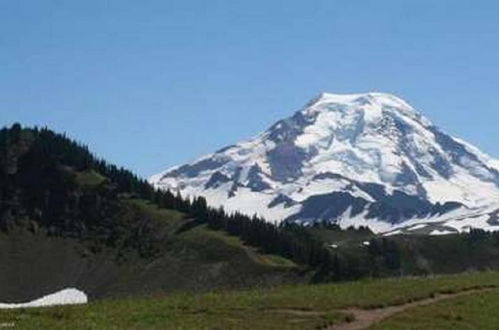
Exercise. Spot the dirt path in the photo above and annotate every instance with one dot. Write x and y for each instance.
(366, 318)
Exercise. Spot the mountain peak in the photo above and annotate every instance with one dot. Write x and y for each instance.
(371, 101)
(377, 97)
(369, 154)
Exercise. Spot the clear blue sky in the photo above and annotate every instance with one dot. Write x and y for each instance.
(150, 84)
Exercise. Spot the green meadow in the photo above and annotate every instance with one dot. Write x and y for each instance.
(287, 307)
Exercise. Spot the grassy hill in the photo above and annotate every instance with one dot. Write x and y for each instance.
(34, 264)
(68, 219)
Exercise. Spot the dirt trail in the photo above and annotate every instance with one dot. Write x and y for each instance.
(366, 318)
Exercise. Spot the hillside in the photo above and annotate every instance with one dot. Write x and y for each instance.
(68, 219)
(359, 254)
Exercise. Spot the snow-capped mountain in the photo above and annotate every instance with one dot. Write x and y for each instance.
(368, 159)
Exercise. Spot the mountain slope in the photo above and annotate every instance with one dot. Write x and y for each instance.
(362, 156)
(68, 219)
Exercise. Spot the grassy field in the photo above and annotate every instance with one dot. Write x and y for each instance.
(290, 307)
(475, 311)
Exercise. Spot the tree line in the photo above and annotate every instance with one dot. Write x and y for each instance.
(37, 188)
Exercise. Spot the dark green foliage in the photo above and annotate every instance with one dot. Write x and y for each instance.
(385, 254)
(39, 173)
(289, 241)
(47, 178)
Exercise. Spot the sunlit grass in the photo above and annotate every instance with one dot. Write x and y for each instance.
(474, 311)
(290, 307)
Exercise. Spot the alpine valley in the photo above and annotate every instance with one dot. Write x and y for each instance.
(353, 160)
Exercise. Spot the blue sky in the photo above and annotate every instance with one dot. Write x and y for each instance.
(151, 84)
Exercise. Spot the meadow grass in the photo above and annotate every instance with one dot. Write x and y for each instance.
(474, 311)
(288, 307)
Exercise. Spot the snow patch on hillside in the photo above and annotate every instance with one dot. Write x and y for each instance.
(68, 296)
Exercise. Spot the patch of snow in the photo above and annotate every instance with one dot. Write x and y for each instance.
(416, 227)
(348, 220)
(437, 232)
(69, 296)
(392, 233)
